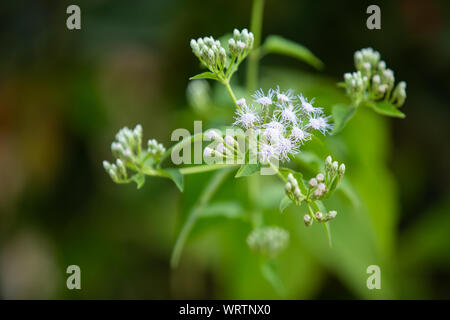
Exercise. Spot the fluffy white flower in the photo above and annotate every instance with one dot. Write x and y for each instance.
(285, 147)
(262, 99)
(273, 131)
(284, 96)
(307, 106)
(246, 117)
(319, 123)
(241, 102)
(267, 152)
(299, 135)
(288, 114)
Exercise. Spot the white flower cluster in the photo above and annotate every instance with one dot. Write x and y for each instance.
(269, 240)
(211, 53)
(128, 150)
(283, 121)
(372, 80)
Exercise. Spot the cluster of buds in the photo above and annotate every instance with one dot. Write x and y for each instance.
(127, 149)
(220, 62)
(292, 189)
(224, 148)
(268, 241)
(241, 43)
(322, 183)
(319, 217)
(372, 80)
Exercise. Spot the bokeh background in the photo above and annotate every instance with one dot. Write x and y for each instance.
(64, 94)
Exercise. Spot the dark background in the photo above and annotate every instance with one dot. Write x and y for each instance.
(64, 94)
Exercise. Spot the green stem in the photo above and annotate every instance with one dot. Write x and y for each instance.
(205, 168)
(230, 91)
(278, 172)
(208, 192)
(253, 58)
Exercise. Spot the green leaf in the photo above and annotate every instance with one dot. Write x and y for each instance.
(205, 75)
(228, 209)
(341, 115)
(285, 202)
(280, 45)
(387, 109)
(139, 178)
(247, 170)
(175, 175)
(271, 275)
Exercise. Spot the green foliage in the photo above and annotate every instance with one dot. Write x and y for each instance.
(279, 45)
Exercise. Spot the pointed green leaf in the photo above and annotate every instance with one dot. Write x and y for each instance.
(285, 202)
(139, 178)
(387, 109)
(341, 115)
(175, 175)
(271, 275)
(205, 75)
(247, 170)
(280, 45)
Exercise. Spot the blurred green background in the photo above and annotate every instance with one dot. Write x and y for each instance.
(64, 94)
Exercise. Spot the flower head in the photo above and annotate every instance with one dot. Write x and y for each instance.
(307, 106)
(320, 123)
(284, 96)
(246, 117)
(263, 99)
(299, 135)
(288, 114)
(267, 152)
(285, 147)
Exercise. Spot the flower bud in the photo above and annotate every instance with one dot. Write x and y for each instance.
(332, 214)
(290, 177)
(230, 140)
(236, 34)
(240, 46)
(297, 193)
(113, 174)
(307, 219)
(335, 165)
(195, 47)
(213, 135)
(221, 148)
(207, 152)
(319, 215)
(341, 169)
(106, 165)
(313, 182)
(320, 177)
(288, 187)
